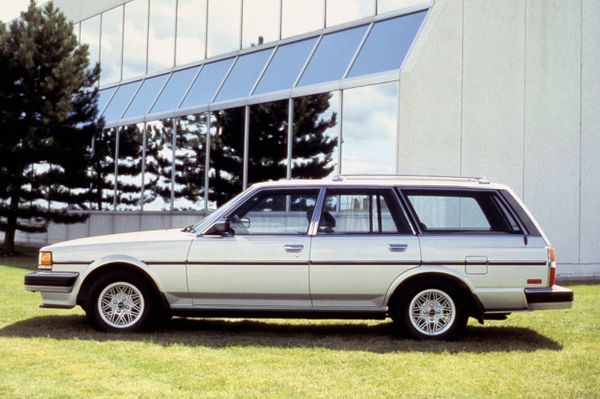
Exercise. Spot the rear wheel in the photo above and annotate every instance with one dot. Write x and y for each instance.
(120, 302)
(431, 309)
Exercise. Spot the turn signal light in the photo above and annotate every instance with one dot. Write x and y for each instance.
(45, 260)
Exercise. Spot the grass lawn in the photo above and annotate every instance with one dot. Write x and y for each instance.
(50, 353)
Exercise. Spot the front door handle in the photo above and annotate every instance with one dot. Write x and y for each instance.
(397, 247)
(293, 247)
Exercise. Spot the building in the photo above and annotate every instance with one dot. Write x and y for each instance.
(286, 88)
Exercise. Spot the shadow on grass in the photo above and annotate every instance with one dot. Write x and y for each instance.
(215, 333)
(27, 259)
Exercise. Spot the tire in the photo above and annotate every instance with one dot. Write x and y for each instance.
(431, 310)
(120, 302)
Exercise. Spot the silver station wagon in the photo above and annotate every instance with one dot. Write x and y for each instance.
(427, 251)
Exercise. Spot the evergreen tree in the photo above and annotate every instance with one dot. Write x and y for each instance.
(48, 110)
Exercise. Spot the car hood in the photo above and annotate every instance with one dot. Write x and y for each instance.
(156, 245)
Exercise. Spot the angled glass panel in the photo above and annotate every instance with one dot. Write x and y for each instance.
(104, 97)
(285, 66)
(120, 101)
(333, 56)
(207, 83)
(174, 90)
(145, 96)
(244, 75)
(387, 44)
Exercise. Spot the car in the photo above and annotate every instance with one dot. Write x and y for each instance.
(427, 251)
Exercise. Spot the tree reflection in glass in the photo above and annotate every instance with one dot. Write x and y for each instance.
(129, 171)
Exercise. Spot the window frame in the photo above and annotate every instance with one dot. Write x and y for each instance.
(397, 210)
(501, 205)
(262, 191)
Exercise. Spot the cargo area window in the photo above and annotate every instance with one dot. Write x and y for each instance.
(450, 211)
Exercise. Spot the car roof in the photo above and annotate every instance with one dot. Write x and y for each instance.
(459, 182)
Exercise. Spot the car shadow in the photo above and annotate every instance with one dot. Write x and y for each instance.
(337, 335)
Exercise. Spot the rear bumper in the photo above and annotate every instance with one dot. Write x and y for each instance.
(51, 281)
(555, 297)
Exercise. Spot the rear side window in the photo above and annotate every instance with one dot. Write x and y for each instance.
(362, 211)
(450, 211)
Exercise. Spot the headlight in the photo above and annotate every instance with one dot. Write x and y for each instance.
(45, 260)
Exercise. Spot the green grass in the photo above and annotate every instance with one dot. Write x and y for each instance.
(49, 353)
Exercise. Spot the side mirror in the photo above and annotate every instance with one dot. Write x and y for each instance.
(221, 227)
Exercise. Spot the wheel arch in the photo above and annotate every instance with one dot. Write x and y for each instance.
(118, 264)
(474, 306)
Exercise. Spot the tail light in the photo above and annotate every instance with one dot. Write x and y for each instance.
(552, 266)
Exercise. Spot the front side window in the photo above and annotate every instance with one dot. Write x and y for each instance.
(361, 212)
(275, 212)
(455, 211)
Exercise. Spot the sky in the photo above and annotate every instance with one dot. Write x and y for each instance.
(10, 9)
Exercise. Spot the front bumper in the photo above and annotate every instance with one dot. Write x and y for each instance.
(51, 281)
(555, 297)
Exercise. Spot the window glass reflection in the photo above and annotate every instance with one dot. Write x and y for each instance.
(174, 90)
(224, 26)
(112, 40)
(161, 35)
(261, 22)
(302, 16)
(387, 44)
(135, 38)
(120, 100)
(267, 147)
(190, 153)
(226, 156)
(90, 35)
(244, 75)
(104, 97)
(285, 66)
(129, 167)
(191, 30)
(103, 170)
(145, 96)
(340, 11)
(333, 55)
(393, 5)
(315, 146)
(207, 83)
(369, 127)
(159, 165)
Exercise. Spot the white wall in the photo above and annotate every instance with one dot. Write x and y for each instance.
(511, 90)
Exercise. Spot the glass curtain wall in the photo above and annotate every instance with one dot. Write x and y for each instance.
(111, 45)
(224, 26)
(102, 190)
(191, 31)
(341, 11)
(299, 17)
(90, 35)
(261, 22)
(129, 167)
(161, 35)
(158, 176)
(369, 132)
(135, 38)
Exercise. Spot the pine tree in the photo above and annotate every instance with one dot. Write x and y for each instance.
(48, 110)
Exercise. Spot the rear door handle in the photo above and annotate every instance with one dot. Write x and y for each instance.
(293, 247)
(397, 247)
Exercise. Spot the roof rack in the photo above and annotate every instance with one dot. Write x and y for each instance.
(474, 179)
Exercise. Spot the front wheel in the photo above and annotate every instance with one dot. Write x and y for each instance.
(431, 310)
(119, 303)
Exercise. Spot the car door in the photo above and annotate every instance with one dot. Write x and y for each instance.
(474, 233)
(362, 244)
(262, 260)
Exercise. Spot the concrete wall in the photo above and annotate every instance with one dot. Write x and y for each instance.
(101, 223)
(510, 90)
